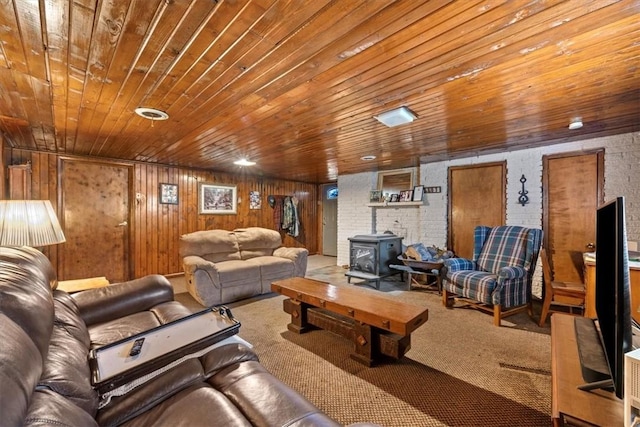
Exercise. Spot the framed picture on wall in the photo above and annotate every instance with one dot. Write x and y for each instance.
(418, 192)
(168, 194)
(217, 199)
(255, 201)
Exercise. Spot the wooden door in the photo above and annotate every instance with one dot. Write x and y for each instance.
(329, 220)
(572, 190)
(477, 196)
(95, 219)
(20, 182)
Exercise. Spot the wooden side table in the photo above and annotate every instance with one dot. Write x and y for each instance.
(590, 287)
(570, 405)
(421, 268)
(78, 285)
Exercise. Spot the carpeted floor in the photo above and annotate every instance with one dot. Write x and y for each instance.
(460, 370)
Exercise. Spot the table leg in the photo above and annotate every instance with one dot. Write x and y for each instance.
(366, 344)
(298, 312)
(409, 280)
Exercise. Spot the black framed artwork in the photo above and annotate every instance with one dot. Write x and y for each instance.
(168, 194)
(217, 198)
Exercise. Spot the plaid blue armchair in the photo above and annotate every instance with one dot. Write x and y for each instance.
(498, 279)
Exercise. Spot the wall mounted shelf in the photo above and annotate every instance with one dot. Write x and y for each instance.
(394, 204)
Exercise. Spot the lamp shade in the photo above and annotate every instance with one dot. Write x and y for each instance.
(29, 223)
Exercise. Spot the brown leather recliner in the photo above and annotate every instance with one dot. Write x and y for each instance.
(46, 336)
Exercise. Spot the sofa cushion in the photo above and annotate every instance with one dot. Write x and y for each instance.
(32, 261)
(151, 394)
(233, 273)
(257, 241)
(124, 327)
(265, 400)
(505, 246)
(198, 404)
(226, 355)
(477, 285)
(51, 409)
(272, 267)
(212, 245)
(23, 295)
(68, 316)
(66, 370)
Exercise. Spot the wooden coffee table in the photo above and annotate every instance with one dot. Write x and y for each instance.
(378, 325)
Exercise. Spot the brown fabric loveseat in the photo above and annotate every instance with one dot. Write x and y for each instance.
(221, 266)
(47, 334)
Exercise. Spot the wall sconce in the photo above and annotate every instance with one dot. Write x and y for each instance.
(523, 199)
(29, 223)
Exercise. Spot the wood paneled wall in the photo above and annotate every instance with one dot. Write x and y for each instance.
(156, 228)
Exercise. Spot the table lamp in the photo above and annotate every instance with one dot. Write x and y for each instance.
(29, 223)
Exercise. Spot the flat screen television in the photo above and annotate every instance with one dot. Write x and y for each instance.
(602, 359)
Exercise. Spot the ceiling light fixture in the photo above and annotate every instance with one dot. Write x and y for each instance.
(244, 162)
(368, 158)
(151, 113)
(576, 123)
(396, 117)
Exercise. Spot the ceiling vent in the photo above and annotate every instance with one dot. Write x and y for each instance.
(151, 113)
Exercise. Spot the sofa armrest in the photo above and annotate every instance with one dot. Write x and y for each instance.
(192, 263)
(122, 299)
(458, 264)
(226, 355)
(512, 272)
(299, 257)
(510, 282)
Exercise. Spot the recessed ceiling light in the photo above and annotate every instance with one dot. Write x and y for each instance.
(244, 162)
(151, 113)
(368, 158)
(576, 123)
(396, 117)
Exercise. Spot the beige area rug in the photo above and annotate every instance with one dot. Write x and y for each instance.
(460, 371)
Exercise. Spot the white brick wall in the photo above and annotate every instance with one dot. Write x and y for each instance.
(354, 217)
(622, 177)
(403, 222)
(428, 223)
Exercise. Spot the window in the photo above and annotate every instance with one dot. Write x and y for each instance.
(332, 193)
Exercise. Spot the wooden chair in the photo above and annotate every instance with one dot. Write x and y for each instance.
(566, 294)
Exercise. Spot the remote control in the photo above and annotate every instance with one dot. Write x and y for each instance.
(137, 347)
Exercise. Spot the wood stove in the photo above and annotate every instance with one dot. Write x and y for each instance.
(370, 256)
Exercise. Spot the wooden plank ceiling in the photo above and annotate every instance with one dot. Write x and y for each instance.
(293, 85)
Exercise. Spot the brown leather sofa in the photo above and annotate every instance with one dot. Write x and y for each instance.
(46, 335)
